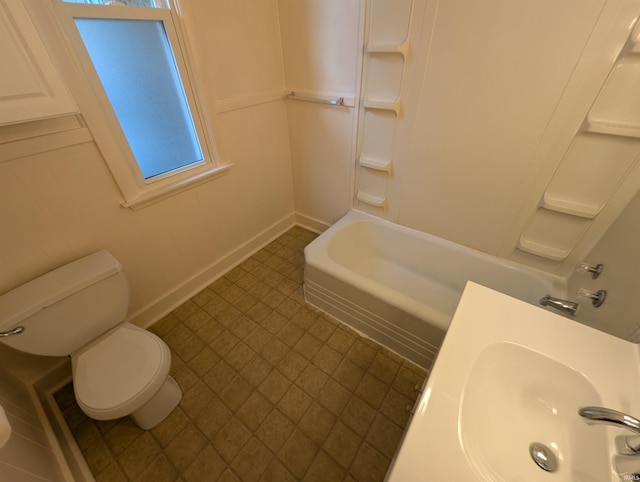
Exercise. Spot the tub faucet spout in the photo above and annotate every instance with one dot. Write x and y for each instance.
(568, 307)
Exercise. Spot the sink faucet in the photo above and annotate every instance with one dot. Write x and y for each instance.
(627, 461)
(568, 307)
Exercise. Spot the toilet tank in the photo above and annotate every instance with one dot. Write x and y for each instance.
(67, 308)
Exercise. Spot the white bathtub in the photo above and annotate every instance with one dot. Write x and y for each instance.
(400, 286)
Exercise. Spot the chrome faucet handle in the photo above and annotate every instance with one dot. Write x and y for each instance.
(627, 466)
(627, 461)
(628, 444)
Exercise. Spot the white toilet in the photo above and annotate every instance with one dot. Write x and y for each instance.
(78, 309)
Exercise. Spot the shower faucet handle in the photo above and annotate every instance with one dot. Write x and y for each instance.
(594, 269)
(596, 297)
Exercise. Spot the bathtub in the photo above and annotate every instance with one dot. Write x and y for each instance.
(401, 287)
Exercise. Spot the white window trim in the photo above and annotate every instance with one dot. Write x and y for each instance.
(102, 120)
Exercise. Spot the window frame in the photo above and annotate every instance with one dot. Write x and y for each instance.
(137, 191)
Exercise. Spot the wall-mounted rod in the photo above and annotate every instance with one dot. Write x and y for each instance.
(317, 100)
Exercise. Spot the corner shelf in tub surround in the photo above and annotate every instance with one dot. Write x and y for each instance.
(552, 234)
(371, 200)
(568, 206)
(387, 47)
(402, 49)
(376, 104)
(597, 170)
(618, 104)
(375, 164)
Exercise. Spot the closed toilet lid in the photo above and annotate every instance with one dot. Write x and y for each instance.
(120, 372)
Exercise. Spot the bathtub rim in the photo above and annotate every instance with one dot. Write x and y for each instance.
(318, 257)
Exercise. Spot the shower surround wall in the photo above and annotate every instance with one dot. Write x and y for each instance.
(465, 115)
(487, 109)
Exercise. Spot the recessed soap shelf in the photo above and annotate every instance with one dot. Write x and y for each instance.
(374, 104)
(550, 252)
(569, 207)
(551, 234)
(401, 49)
(376, 201)
(375, 164)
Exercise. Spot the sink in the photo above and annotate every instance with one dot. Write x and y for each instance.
(515, 396)
(510, 375)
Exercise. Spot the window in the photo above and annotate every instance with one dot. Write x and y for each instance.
(132, 54)
(134, 61)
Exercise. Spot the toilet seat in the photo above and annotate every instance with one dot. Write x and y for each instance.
(119, 372)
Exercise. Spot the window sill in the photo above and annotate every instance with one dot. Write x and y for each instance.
(147, 198)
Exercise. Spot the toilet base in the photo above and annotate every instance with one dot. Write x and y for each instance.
(159, 406)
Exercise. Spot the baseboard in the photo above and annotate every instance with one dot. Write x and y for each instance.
(148, 315)
(72, 463)
(312, 224)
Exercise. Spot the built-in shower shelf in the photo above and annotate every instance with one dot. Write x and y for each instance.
(376, 201)
(374, 104)
(385, 56)
(401, 49)
(567, 206)
(375, 164)
(549, 252)
(613, 128)
(552, 234)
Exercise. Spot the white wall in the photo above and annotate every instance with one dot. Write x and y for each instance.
(321, 44)
(619, 252)
(59, 205)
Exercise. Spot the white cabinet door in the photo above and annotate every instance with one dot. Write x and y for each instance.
(30, 86)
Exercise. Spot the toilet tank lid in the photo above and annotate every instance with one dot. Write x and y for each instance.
(31, 297)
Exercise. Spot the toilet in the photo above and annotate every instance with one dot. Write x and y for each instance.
(78, 310)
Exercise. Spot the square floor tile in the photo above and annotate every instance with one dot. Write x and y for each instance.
(273, 390)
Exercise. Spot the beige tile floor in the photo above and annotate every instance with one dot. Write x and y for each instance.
(273, 390)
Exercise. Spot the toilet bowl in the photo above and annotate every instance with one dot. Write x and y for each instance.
(118, 368)
(124, 373)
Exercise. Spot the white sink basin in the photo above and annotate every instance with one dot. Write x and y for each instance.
(517, 395)
(510, 374)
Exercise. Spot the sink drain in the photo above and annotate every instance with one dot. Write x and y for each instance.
(543, 456)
